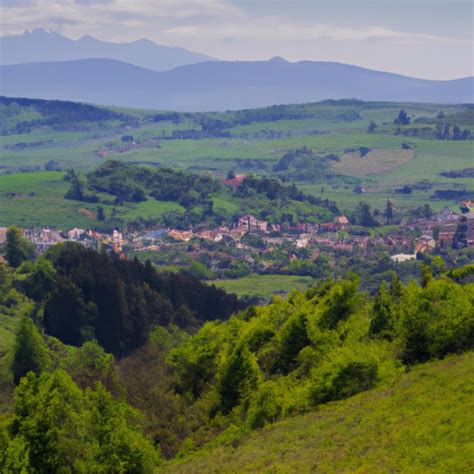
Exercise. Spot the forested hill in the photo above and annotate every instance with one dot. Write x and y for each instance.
(263, 196)
(87, 295)
(20, 115)
(221, 85)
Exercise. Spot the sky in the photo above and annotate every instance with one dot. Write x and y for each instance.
(430, 39)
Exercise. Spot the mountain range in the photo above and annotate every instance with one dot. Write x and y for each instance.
(40, 45)
(221, 85)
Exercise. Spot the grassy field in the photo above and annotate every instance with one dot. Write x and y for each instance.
(424, 423)
(263, 286)
(37, 199)
(253, 147)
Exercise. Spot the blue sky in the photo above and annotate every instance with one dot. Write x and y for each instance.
(423, 38)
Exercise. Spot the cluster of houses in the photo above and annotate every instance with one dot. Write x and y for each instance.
(416, 236)
(43, 238)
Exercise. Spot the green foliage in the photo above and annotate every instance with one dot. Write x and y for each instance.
(119, 446)
(90, 364)
(383, 319)
(344, 382)
(50, 422)
(421, 423)
(118, 303)
(362, 215)
(55, 427)
(41, 280)
(30, 114)
(304, 165)
(436, 320)
(17, 248)
(293, 337)
(132, 183)
(31, 352)
(238, 379)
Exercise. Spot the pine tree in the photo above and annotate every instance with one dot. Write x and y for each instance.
(389, 211)
(239, 377)
(31, 353)
(100, 214)
(382, 322)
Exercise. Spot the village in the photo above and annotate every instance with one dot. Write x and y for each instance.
(260, 246)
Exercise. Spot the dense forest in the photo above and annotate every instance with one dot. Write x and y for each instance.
(104, 404)
(19, 115)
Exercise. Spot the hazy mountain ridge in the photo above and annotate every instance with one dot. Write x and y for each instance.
(221, 85)
(44, 46)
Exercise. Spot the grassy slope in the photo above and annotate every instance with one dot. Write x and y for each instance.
(79, 149)
(423, 423)
(39, 201)
(263, 286)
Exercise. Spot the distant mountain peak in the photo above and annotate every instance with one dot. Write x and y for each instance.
(42, 45)
(278, 59)
(40, 32)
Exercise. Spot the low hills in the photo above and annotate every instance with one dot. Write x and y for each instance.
(423, 423)
(221, 85)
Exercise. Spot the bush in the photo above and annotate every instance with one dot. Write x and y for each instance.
(345, 381)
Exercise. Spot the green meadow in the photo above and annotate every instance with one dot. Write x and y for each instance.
(253, 145)
(264, 286)
(424, 422)
(37, 199)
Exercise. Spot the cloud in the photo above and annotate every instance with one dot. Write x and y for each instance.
(94, 2)
(16, 3)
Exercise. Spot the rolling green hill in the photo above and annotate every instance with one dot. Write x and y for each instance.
(422, 423)
(50, 135)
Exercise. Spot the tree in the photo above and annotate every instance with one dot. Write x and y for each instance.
(18, 248)
(49, 420)
(56, 428)
(31, 352)
(75, 191)
(293, 338)
(118, 444)
(389, 211)
(372, 126)
(438, 265)
(460, 236)
(41, 281)
(435, 320)
(446, 132)
(239, 377)
(382, 322)
(402, 119)
(457, 134)
(100, 214)
(91, 364)
(362, 215)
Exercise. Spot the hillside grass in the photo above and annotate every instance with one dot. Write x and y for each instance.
(37, 199)
(264, 286)
(423, 423)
